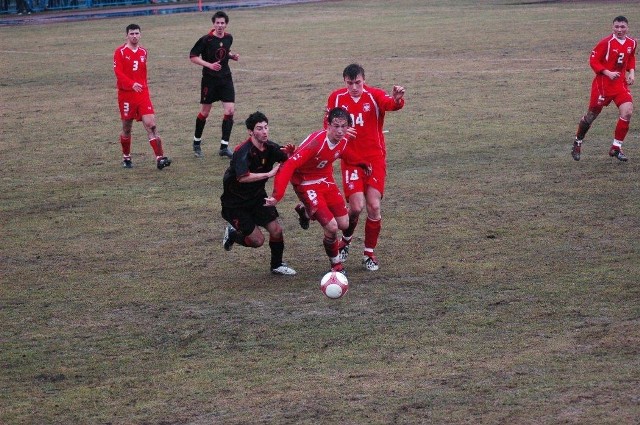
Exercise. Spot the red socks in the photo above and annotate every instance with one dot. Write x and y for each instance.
(156, 145)
(331, 248)
(126, 145)
(371, 233)
(622, 127)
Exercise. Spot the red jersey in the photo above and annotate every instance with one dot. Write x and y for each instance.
(368, 118)
(311, 162)
(130, 67)
(613, 55)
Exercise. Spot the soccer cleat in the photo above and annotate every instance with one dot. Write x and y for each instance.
(343, 251)
(225, 152)
(339, 267)
(163, 162)
(229, 237)
(283, 270)
(370, 262)
(302, 214)
(126, 163)
(197, 150)
(575, 151)
(617, 153)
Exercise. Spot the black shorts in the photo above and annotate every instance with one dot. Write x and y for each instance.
(217, 89)
(246, 219)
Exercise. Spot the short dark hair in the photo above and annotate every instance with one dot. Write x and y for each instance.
(220, 14)
(339, 113)
(620, 19)
(254, 119)
(352, 71)
(132, 27)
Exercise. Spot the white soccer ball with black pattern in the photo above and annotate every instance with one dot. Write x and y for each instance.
(334, 285)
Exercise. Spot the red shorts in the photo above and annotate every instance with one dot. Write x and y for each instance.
(600, 99)
(355, 181)
(323, 200)
(134, 105)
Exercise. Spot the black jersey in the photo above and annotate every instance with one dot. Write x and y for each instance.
(213, 49)
(249, 159)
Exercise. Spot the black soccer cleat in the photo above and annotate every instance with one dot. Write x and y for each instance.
(228, 237)
(575, 151)
(163, 162)
(197, 150)
(126, 163)
(616, 152)
(225, 152)
(302, 216)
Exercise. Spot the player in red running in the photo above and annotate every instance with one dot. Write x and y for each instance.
(367, 106)
(614, 62)
(130, 67)
(310, 170)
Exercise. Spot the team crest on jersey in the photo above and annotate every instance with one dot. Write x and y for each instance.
(143, 58)
(366, 107)
(629, 50)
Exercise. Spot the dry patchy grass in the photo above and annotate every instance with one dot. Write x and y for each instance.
(508, 290)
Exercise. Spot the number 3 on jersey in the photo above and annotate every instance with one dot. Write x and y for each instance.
(357, 120)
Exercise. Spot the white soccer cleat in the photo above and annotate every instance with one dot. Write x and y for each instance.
(343, 251)
(370, 262)
(283, 270)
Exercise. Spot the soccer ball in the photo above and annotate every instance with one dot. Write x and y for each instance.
(334, 285)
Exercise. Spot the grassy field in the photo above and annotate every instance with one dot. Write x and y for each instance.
(508, 290)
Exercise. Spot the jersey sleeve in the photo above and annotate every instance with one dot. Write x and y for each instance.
(305, 151)
(240, 163)
(282, 179)
(631, 64)
(122, 79)
(196, 50)
(386, 101)
(597, 60)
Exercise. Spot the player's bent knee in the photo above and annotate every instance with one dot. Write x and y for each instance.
(373, 211)
(355, 208)
(254, 242)
(331, 229)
